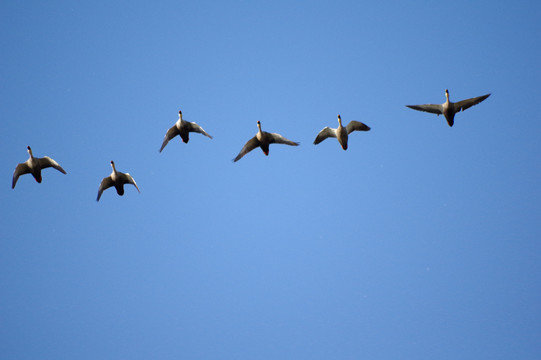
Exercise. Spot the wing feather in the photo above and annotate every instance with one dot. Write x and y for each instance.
(106, 183)
(128, 179)
(249, 146)
(171, 133)
(279, 139)
(431, 108)
(356, 126)
(465, 104)
(326, 132)
(21, 169)
(193, 127)
(46, 162)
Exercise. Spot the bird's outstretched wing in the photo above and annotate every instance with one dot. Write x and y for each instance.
(431, 108)
(46, 162)
(171, 133)
(464, 104)
(106, 183)
(326, 132)
(356, 126)
(279, 139)
(193, 127)
(249, 146)
(21, 169)
(128, 179)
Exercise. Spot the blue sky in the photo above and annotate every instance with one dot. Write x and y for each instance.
(420, 241)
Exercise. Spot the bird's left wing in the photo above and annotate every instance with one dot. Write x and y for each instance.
(249, 146)
(431, 108)
(106, 183)
(326, 132)
(171, 133)
(21, 169)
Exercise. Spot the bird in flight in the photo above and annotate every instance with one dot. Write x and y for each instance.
(448, 108)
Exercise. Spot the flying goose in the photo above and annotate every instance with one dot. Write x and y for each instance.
(182, 128)
(449, 109)
(33, 166)
(263, 139)
(341, 133)
(116, 179)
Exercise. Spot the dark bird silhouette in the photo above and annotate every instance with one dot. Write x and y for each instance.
(448, 108)
(263, 139)
(34, 166)
(116, 179)
(341, 133)
(182, 128)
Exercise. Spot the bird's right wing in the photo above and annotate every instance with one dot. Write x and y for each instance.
(46, 162)
(464, 104)
(249, 146)
(106, 183)
(171, 133)
(127, 179)
(356, 126)
(279, 139)
(21, 169)
(431, 108)
(198, 129)
(326, 132)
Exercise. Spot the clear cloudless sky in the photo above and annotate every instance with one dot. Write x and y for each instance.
(421, 241)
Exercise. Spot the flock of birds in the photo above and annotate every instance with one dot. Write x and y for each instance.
(262, 139)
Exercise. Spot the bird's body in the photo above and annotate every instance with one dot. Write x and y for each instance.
(448, 108)
(263, 139)
(182, 128)
(341, 133)
(34, 166)
(116, 179)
